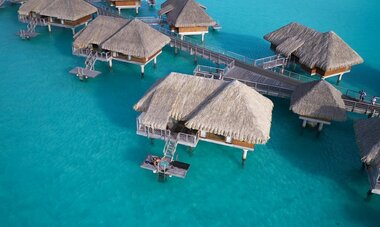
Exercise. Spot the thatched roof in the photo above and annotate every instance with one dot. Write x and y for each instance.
(99, 30)
(62, 9)
(186, 13)
(134, 37)
(137, 39)
(320, 100)
(326, 51)
(368, 139)
(223, 108)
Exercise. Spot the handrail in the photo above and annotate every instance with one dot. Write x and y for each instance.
(292, 75)
(188, 138)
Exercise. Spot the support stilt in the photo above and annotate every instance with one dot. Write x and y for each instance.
(73, 29)
(181, 37)
(244, 156)
(142, 71)
(49, 27)
(119, 10)
(320, 127)
(155, 62)
(137, 10)
(85, 24)
(203, 37)
(339, 78)
(110, 63)
(304, 124)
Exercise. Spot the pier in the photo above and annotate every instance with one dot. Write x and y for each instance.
(267, 75)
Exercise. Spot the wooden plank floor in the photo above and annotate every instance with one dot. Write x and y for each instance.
(242, 74)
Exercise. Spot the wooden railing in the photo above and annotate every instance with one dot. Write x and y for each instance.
(361, 107)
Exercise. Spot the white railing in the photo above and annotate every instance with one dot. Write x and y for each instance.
(86, 51)
(283, 72)
(36, 20)
(210, 72)
(271, 62)
(187, 138)
(149, 131)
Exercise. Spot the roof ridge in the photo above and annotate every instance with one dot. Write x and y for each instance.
(112, 35)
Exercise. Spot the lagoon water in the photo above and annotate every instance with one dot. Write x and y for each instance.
(69, 154)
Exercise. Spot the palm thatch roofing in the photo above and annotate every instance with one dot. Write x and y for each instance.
(368, 139)
(63, 9)
(319, 100)
(219, 107)
(129, 37)
(185, 13)
(314, 49)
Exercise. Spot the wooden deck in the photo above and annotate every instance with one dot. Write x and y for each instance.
(175, 168)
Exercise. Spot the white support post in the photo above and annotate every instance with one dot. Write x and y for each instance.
(340, 78)
(142, 71)
(119, 10)
(244, 156)
(320, 127)
(49, 27)
(304, 123)
(137, 10)
(85, 24)
(110, 63)
(155, 62)
(203, 37)
(73, 29)
(181, 37)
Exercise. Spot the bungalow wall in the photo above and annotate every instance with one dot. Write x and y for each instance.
(222, 139)
(141, 61)
(126, 3)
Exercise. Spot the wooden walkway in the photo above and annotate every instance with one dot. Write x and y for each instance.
(275, 81)
(355, 106)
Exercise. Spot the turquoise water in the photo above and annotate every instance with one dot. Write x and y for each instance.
(69, 155)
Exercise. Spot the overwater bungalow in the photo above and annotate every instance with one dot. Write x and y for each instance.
(60, 13)
(126, 4)
(183, 109)
(186, 17)
(368, 139)
(325, 54)
(318, 103)
(110, 38)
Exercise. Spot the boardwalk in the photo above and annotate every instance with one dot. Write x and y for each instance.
(353, 105)
(267, 79)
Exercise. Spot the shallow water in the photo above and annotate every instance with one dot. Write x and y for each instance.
(69, 155)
